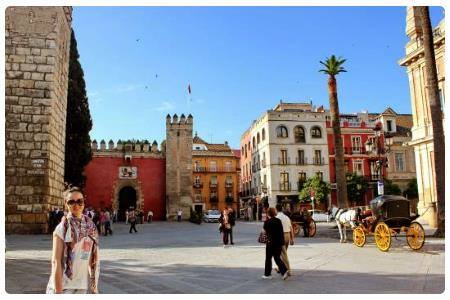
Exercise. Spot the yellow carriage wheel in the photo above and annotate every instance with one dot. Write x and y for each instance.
(359, 236)
(415, 236)
(382, 235)
(296, 228)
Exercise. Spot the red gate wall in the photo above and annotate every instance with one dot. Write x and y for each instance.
(102, 172)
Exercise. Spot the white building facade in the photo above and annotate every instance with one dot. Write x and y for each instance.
(288, 145)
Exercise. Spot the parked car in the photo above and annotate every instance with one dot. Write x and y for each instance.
(319, 215)
(211, 215)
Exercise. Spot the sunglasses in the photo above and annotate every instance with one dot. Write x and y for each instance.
(79, 202)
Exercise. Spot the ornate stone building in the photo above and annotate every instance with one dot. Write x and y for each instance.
(422, 132)
(215, 176)
(36, 65)
(287, 145)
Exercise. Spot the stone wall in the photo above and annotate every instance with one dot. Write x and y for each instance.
(178, 165)
(36, 65)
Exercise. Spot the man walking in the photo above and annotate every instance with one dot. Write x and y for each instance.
(132, 219)
(288, 232)
(149, 216)
(179, 212)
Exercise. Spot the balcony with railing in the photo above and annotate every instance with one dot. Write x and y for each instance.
(318, 161)
(198, 184)
(213, 184)
(215, 169)
(301, 161)
(284, 160)
(228, 185)
(285, 186)
(229, 199)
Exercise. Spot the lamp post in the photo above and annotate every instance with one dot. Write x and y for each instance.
(380, 150)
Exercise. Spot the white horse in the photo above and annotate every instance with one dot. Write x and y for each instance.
(344, 218)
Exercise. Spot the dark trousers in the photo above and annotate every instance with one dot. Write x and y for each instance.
(225, 234)
(231, 235)
(179, 218)
(133, 226)
(274, 252)
(108, 228)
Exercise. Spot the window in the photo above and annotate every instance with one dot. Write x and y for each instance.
(320, 175)
(316, 132)
(265, 180)
(358, 168)
(318, 157)
(245, 151)
(228, 166)
(197, 180)
(389, 125)
(213, 166)
(213, 180)
(356, 144)
(442, 98)
(254, 144)
(301, 176)
(263, 134)
(299, 134)
(301, 157)
(197, 166)
(258, 140)
(282, 131)
(283, 158)
(284, 181)
(229, 180)
(400, 162)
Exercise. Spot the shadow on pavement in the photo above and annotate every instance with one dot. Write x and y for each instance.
(130, 276)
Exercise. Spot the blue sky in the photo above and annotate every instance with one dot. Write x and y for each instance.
(239, 61)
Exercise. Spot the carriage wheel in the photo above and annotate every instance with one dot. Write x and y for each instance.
(359, 236)
(382, 236)
(312, 228)
(415, 236)
(296, 228)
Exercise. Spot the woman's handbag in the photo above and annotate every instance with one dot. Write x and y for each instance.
(262, 237)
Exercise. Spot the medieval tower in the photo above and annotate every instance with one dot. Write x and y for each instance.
(36, 64)
(178, 165)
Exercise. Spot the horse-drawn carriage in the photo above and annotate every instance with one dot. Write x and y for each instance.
(389, 216)
(298, 221)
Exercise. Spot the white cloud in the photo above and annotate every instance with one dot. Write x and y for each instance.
(165, 106)
(127, 88)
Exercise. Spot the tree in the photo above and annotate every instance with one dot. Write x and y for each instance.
(78, 122)
(391, 188)
(412, 192)
(333, 66)
(320, 188)
(434, 102)
(356, 188)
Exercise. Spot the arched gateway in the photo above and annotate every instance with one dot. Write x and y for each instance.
(126, 194)
(127, 199)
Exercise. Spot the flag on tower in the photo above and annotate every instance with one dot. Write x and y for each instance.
(189, 88)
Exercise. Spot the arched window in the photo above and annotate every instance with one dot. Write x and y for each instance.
(299, 134)
(254, 144)
(263, 134)
(316, 132)
(282, 131)
(258, 140)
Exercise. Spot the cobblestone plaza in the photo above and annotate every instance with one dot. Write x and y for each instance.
(183, 257)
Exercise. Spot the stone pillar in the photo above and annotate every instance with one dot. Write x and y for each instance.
(36, 63)
(178, 150)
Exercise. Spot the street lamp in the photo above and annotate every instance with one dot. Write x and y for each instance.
(376, 147)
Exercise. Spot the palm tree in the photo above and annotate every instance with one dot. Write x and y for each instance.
(333, 66)
(434, 102)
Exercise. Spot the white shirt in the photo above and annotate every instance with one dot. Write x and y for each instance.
(285, 221)
(80, 262)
